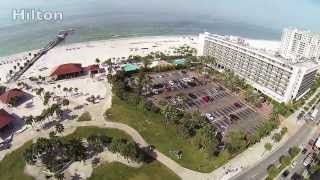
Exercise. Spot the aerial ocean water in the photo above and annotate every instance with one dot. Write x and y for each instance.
(98, 20)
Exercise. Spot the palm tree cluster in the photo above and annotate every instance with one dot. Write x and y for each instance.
(2, 89)
(46, 114)
(185, 51)
(57, 153)
(23, 85)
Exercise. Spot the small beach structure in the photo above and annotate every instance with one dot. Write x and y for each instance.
(159, 64)
(92, 69)
(131, 68)
(180, 62)
(14, 97)
(67, 71)
(5, 118)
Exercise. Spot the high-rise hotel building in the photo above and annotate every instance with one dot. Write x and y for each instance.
(297, 44)
(274, 76)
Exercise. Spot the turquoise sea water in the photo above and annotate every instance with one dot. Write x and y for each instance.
(100, 19)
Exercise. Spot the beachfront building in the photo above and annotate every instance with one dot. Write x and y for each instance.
(14, 97)
(179, 62)
(5, 119)
(274, 76)
(298, 44)
(131, 68)
(67, 71)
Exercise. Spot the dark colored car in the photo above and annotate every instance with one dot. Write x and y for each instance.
(237, 105)
(304, 151)
(192, 96)
(285, 173)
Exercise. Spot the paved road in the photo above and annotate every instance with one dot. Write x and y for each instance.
(260, 170)
(299, 168)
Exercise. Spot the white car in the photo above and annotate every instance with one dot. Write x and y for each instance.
(209, 116)
(171, 83)
(308, 160)
(293, 164)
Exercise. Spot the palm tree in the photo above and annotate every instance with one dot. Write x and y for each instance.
(146, 62)
(29, 120)
(170, 113)
(65, 102)
(52, 134)
(14, 101)
(109, 63)
(98, 61)
(77, 151)
(70, 90)
(59, 128)
(59, 87)
(267, 147)
(65, 89)
(59, 176)
(39, 92)
(46, 98)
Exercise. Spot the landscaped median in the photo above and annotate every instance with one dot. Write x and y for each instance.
(285, 160)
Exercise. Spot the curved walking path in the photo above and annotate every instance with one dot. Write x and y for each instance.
(97, 112)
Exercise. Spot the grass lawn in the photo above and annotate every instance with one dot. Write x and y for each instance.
(12, 166)
(85, 132)
(86, 116)
(118, 171)
(164, 137)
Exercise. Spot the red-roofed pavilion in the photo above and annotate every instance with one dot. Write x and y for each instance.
(9, 95)
(67, 71)
(5, 118)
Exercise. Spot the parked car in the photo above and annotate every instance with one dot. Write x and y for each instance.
(237, 105)
(285, 173)
(308, 160)
(210, 117)
(304, 151)
(311, 142)
(193, 96)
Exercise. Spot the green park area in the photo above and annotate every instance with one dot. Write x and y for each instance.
(165, 137)
(15, 162)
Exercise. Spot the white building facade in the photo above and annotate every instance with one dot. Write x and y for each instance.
(270, 74)
(296, 44)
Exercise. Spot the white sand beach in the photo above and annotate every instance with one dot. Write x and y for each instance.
(86, 52)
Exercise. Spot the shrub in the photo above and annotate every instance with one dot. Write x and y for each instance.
(284, 131)
(277, 137)
(294, 151)
(285, 160)
(272, 170)
(85, 117)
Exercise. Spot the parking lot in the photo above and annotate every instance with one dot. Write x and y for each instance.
(186, 91)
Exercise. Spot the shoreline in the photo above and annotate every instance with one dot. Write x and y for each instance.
(101, 40)
(116, 48)
(128, 38)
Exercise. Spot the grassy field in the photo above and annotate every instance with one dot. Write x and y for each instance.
(12, 166)
(118, 171)
(85, 132)
(164, 137)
